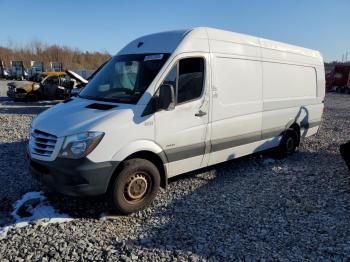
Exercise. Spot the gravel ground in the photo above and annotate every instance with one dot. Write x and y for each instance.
(253, 208)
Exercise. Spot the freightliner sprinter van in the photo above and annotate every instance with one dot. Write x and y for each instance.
(173, 102)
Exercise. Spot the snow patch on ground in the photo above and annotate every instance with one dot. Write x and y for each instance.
(43, 213)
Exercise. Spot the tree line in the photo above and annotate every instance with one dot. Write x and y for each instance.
(70, 57)
(37, 51)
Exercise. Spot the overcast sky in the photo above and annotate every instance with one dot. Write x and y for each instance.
(109, 25)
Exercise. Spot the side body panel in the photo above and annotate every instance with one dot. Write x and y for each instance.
(293, 90)
(236, 113)
(259, 89)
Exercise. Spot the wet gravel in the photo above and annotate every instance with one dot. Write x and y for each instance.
(253, 208)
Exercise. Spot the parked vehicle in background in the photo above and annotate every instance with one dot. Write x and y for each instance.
(56, 67)
(80, 86)
(36, 68)
(173, 102)
(17, 70)
(6, 74)
(84, 72)
(54, 85)
(2, 69)
(337, 79)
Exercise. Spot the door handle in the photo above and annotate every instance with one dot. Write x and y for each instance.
(200, 113)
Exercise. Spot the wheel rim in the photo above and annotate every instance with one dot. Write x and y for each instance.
(290, 145)
(137, 187)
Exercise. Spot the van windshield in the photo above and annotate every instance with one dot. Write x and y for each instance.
(124, 78)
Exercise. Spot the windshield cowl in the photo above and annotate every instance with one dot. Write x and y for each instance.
(106, 100)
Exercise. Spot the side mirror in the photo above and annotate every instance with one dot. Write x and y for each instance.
(166, 100)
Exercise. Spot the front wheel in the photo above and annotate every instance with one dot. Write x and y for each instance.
(135, 186)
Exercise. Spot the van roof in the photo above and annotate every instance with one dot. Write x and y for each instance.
(169, 40)
(223, 35)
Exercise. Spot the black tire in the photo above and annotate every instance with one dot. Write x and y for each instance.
(288, 144)
(135, 187)
(33, 97)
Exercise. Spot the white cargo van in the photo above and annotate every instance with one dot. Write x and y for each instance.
(173, 102)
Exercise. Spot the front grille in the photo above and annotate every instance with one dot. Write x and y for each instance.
(42, 143)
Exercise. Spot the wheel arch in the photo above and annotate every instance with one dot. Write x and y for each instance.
(152, 153)
(158, 160)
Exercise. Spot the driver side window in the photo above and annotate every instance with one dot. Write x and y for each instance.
(187, 78)
(190, 80)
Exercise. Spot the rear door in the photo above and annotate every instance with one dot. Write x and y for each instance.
(181, 132)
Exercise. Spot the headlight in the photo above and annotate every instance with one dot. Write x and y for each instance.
(80, 145)
(36, 85)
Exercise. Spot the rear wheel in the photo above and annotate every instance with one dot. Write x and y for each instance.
(288, 144)
(135, 186)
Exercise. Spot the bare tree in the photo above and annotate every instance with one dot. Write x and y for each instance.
(38, 51)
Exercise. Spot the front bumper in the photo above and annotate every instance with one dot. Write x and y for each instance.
(75, 177)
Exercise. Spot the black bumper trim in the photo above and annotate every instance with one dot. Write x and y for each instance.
(74, 176)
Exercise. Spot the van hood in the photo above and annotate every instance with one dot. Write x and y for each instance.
(75, 116)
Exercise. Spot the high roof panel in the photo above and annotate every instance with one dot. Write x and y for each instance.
(222, 35)
(167, 42)
(163, 42)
